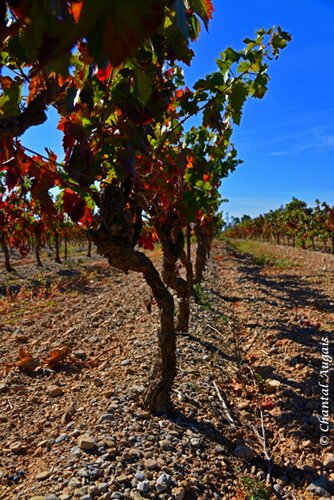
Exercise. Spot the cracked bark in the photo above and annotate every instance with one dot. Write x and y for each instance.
(57, 245)
(189, 271)
(38, 245)
(4, 247)
(114, 239)
(89, 250)
(172, 241)
(201, 253)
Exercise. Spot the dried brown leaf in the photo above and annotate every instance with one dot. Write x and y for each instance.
(56, 357)
(27, 363)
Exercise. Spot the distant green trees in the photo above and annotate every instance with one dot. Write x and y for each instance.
(295, 224)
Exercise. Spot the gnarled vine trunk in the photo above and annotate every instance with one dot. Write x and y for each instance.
(189, 242)
(209, 246)
(57, 245)
(189, 270)
(313, 243)
(89, 250)
(182, 290)
(65, 245)
(4, 247)
(172, 241)
(201, 253)
(38, 245)
(115, 240)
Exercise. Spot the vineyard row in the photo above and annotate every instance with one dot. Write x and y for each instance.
(295, 224)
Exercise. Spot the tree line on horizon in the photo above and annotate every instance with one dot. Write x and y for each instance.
(294, 224)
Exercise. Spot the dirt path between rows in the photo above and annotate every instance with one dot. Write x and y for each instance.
(247, 394)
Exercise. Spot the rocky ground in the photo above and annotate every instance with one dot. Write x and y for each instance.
(247, 395)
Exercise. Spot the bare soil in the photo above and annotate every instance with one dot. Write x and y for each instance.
(247, 395)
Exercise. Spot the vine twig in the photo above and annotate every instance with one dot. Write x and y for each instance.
(227, 413)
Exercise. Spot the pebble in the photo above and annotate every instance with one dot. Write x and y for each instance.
(94, 491)
(244, 451)
(74, 482)
(319, 487)
(45, 442)
(278, 488)
(122, 478)
(295, 447)
(86, 443)
(195, 442)
(318, 490)
(178, 493)
(61, 438)
(143, 486)
(133, 453)
(93, 473)
(75, 433)
(163, 482)
(54, 391)
(103, 487)
(40, 476)
(271, 386)
(82, 472)
(16, 447)
(166, 445)
(107, 417)
(110, 442)
(140, 476)
(76, 451)
(78, 493)
(329, 462)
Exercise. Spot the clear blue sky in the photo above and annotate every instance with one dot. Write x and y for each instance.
(286, 140)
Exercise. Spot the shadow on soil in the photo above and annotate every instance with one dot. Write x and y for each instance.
(286, 287)
(296, 476)
(300, 401)
(209, 346)
(66, 279)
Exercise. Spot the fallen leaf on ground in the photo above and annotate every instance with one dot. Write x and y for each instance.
(267, 404)
(56, 357)
(27, 363)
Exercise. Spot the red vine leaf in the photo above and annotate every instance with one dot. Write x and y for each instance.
(74, 205)
(124, 26)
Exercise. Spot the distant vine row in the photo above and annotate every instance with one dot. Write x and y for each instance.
(295, 224)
